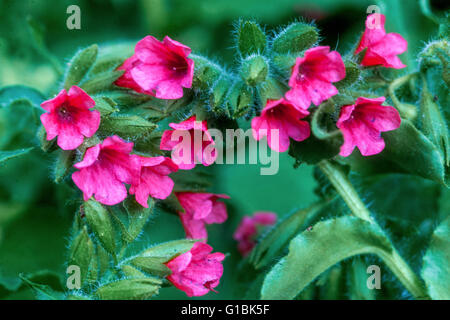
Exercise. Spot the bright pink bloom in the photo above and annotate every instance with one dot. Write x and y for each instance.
(201, 209)
(382, 48)
(157, 68)
(69, 118)
(197, 271)
(104, 170)
(362, 122)
(283, 117)
(154, 179)
(247, 230)
(312, 76)
(191, 143)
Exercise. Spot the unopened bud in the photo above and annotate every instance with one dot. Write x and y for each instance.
(295, 38)
(254, 70)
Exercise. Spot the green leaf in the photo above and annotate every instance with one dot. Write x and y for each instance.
(436, 263)
(7, 155)
(101, 82)
(407, 150)
(81, 252)
(64, 163)
(153, 259)
(433, 123)
(128, 289)
(42, 292)
(9, 94)
(126, 125)
(358, 281)
(250, 38)
(100, 222)
(277, 238)
(314, 251)
(313, 149)
(80, 65)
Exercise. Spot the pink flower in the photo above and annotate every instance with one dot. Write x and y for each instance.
(247, 230)
(282, 118)
(154, 179)
(126, 80)
(190, 143)
(69, 118)
(362, 123)
(157, 68)
(201, 209)
(382, 48)
(104, 170)
(197, 271)
(312, 76)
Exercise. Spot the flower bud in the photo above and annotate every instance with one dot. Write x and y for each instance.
(218, 96)
(250, 38)
(153, 259)
(270, 89)
(295, 38)
(254, 70)
(240, 99)
(205, 74)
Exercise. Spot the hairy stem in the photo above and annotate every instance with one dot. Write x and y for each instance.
(407, 111)
(393, 260)
(345, 189)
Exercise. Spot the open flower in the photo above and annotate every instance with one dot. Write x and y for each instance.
(248, 229)
(197, 271)
(312, 76)
(190, 143)
(362, 122)
(69, 118)
(154, 180)
(201, 209)
(158, 68)
(104, 170)
(282, 118)
(382, 48)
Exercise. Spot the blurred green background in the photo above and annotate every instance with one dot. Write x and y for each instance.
(35, 214)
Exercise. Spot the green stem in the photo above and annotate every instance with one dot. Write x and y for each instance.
(407, 111)
(345, 189)
(393, 260)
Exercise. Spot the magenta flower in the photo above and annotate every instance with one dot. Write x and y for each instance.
(282, 118)
(126, 80)
(190, 143)
(312, 76)
(201, 209)
(197, 271)
(69, 118)
(157, 68)
(154, 179)
(382, 48)
(104, 170)
(362, 123)
(248, 229)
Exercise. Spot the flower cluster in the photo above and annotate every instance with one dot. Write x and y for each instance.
(311, 82)
(110, 170)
